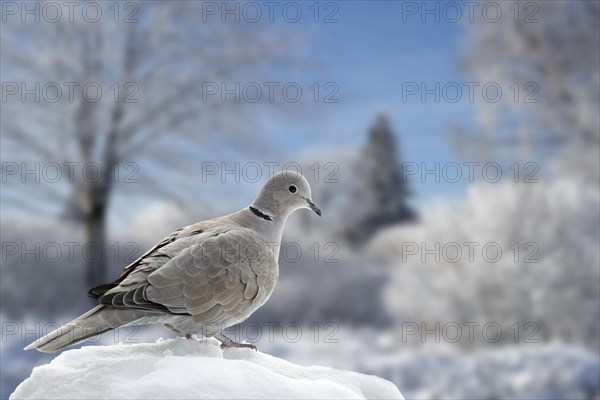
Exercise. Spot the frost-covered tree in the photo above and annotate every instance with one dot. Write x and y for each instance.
(378, 193)
(546, 57)
(150, 60)
(543, 278)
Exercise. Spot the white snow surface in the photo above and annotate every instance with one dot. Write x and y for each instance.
(185, 369)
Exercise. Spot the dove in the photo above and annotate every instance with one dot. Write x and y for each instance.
(200, 279)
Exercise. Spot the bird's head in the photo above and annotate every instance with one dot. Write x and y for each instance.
(284, 193)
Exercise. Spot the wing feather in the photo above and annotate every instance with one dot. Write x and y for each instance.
(206, 280)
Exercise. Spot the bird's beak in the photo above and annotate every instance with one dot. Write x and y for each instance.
(312, 206)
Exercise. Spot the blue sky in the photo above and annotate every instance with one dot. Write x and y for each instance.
(369, 53)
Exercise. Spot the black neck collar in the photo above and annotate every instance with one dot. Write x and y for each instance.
(260, 214)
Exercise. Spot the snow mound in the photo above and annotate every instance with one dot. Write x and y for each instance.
(184, 369)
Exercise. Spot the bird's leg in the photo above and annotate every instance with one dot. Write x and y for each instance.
(226, 342)
(188, 336)
(172, 327)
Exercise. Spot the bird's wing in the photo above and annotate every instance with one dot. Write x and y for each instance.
(222, 278)
(149, 261)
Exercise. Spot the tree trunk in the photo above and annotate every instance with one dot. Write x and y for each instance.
(95, 247)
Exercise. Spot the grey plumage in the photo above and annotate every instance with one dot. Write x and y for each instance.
(200, 279)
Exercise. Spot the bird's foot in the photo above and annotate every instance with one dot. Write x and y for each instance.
(238, 345)
(228, 343)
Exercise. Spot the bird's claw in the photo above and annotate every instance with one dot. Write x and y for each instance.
(239, 346)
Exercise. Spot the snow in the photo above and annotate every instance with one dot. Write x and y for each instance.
(180, 368)
(552, 371)
(549, 371)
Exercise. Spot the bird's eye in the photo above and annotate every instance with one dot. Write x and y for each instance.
(292, 189)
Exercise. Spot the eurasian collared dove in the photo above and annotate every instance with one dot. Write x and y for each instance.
(201, 278)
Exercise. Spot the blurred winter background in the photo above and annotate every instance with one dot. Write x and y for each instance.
(452, 146)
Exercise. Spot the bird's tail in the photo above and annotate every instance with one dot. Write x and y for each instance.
(98, 320)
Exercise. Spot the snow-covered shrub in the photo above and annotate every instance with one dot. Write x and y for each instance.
(551, 282)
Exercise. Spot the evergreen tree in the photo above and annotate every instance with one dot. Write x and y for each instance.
(379, 194)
